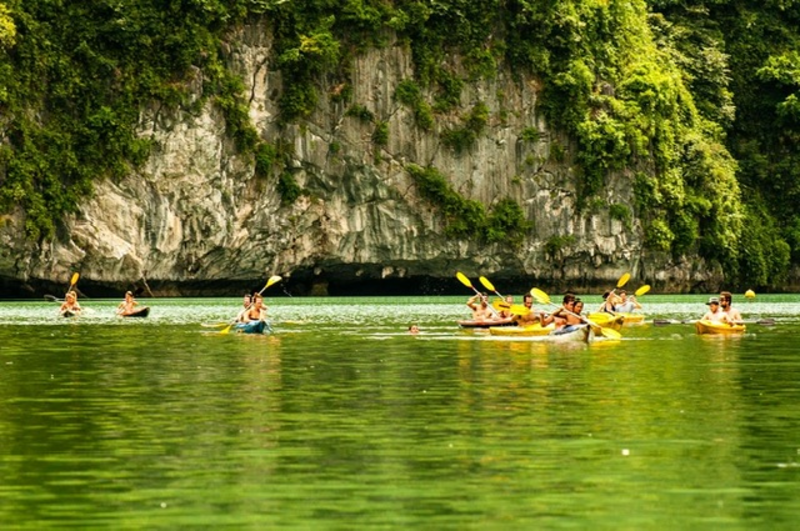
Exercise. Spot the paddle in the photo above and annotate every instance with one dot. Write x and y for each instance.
(73, 280)
(642, 290)
(464, 280)
(542, 298)
(272, 280)
(488, 285)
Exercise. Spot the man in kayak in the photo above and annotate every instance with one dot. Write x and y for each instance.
(725, 300)
(714, 314)
(127, 306)
(565, 318)
(70, 304)
(532, 316)
(480, 311)
(626, 305)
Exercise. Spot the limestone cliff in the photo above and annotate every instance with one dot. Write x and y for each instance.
(195, 219)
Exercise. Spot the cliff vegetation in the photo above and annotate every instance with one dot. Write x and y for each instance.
(696, 106)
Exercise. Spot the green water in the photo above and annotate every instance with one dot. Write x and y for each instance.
(343, 420)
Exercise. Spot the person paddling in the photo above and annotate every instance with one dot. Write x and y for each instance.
(625, 304)
(127, 306)
(70, 305)
(480, 311)
(530, 318)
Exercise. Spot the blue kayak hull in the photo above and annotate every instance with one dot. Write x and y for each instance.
(253, 327)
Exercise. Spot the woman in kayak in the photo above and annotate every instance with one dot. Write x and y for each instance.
(127, 306)
(70, 305)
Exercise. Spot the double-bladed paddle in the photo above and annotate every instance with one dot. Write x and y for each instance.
(272, 280)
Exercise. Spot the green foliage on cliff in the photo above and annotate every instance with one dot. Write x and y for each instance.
(680, 98)
(467, 219)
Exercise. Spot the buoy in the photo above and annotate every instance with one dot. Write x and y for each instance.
(750, 294)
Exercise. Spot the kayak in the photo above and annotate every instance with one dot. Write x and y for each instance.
(144, 311)
(710, 327)
(579, 333)
(253, 327)
(486, 324)
(607, 320)
(633, 318)
(533, 330)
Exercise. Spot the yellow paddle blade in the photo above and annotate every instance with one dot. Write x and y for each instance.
(463, 279)
(623, 280)
(601, 318)
(610, 333)
(226, 329)
(500, 305)
(74, 279)
(540, 296)
(272, 280)
(486, 284)
(641, 291)
(520, 309)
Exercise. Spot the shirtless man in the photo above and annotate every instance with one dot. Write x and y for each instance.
(480, 311)
(564, 316)
(256, 311)
(532, 316)
(725, 300)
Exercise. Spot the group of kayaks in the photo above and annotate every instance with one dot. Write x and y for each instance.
(586, 333)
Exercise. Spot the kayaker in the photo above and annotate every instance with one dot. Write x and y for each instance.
(70, 304)
(530, 318)
(413, 329)
(247, 302)
(714, 313)
(127, 306)
(725, 300)
(626, 305)
(505, 313)
(560, 316)
(480, 311)
(567, 319)
(257, 311)
(609, 302)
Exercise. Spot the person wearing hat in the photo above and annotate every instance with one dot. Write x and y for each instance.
(714, 313)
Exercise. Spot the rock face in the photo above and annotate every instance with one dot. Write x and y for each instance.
(195, 220)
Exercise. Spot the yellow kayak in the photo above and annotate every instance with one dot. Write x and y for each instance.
(632, 318)
(709, 327)
(607, 320)
(533, 330)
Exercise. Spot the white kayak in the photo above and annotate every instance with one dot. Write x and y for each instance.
(575, 333)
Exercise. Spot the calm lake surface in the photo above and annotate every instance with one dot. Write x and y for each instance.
(343, 420)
